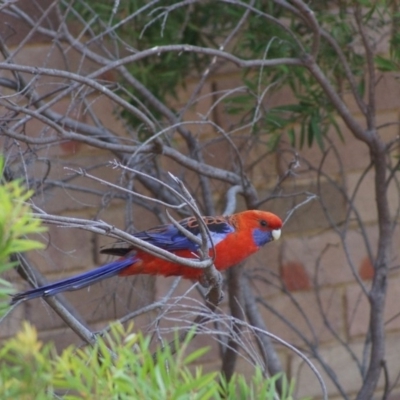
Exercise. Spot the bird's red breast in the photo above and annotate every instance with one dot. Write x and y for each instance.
(235, 238)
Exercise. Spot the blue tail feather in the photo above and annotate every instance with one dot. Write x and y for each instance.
(75, 282)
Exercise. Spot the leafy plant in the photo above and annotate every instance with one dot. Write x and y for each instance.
(166, 24)
(15, 223)
(120, 366)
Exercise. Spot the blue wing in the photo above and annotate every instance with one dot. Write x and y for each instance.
(168, 237)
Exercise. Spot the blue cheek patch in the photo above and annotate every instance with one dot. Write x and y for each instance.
(261, 237)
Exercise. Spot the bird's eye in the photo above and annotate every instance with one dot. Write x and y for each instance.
(263, 223)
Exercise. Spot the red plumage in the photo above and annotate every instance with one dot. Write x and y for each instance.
(235, 238)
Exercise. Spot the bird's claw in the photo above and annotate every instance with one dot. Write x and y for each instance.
(211, 280)
(204, 282)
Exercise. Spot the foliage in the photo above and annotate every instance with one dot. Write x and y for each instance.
(164, 73)
(162, 24)
(15, 223)
(120, 366)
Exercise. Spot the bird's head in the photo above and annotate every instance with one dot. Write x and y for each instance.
(264, 226)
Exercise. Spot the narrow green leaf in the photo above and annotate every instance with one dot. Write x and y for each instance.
(292, 137)
(386, 65)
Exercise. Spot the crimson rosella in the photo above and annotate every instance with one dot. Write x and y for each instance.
(234, 237)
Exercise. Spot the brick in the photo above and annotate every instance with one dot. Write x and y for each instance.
(181, 309)
(301, 310)
(226, 68)
(225, 88)
(395, 249)
(38, 313)
(391, 310)
(11, 276)
(11, 324)
(62, 338)
(346, 371)
(392, 363)
(61, 57)
(184, 288)
(223, 154)
(198, 110)
(35, 128)
(261, 163)
(387, 92)
(351, 102)
(108, 114)
(100, 105)
(365, 199)
(263, 269)
(352, 146)
(61, 198)
(366, 269)
(243, 366)
(387, 121)
(105, 301)
(180, 317)
(295, 277)
(66, 249)
(280, 97)
(324, 257)
(142, 219)
(339, 360)
(113, 298)
(249, 356)
(358, 310)
(345, 149)
(71, 146)
(311, 216)
(314, 247)
(393, 198)
(14, 36)
(231, 85)
(220, 153)
(310, 158)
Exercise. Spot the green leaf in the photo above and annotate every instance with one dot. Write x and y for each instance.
(292, 137)
(195, 355)
(113, 369)
(385, 64)
(315, 131)
(16, 222)
(302, 134)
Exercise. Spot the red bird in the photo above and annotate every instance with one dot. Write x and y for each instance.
(235, 238)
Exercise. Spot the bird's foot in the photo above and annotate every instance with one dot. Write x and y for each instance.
(204, 282)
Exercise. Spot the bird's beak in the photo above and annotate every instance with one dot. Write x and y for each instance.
(276, 234)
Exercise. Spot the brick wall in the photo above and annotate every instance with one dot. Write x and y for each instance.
(310, 282)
